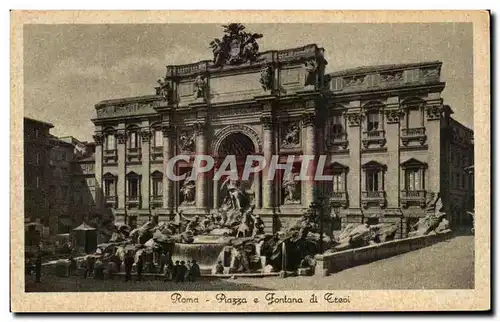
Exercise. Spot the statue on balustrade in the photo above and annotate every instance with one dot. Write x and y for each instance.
(200, 87)
(188, 190)
(164, 90)
(312, 72)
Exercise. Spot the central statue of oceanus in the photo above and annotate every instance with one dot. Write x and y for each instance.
(236, 197)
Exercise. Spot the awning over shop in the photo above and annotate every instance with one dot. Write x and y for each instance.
(84, 227)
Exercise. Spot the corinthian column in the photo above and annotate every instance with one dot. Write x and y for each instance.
(201, 179)
(267, 183)
(308, 186)
(146, 173)
(168, 185)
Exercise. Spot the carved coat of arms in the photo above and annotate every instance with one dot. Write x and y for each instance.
(235, 47)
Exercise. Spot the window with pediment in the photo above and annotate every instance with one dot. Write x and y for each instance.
(373, 133)
(373, 188)
(413, 183)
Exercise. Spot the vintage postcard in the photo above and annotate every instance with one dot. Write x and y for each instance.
(250, 161)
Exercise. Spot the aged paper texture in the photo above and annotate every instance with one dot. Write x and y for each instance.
(320, 161)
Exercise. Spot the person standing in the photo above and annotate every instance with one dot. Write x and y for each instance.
(219, 269)
(188, 271)
(129, 262)
(195, 271)
(163, 262)
(139, 265)
(38, 268)
(72, 265)
(175, 273)
(181, 272)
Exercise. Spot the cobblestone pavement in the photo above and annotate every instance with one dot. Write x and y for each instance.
(448, 264)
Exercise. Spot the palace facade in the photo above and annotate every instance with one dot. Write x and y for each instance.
(391, 142)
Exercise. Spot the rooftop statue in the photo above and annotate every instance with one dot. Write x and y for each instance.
(235, 47)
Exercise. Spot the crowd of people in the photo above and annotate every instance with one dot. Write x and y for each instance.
(180, 271)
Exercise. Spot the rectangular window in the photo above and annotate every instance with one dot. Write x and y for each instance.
(373, 121)
(37, 181)
(414, 118)
(337, 124)
(110, 142)
(132, 141)
(338, 182)
(38, 158)
(372, 180)
(158, 138)
(109, 188)
(133, 188)
(412, 180)
(37, 133)
(157, 186)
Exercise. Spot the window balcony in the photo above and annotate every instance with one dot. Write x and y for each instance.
(110, 201)
(156, 201)
(133, 154)
(373, 197)
(339, 198)
(338, 139)
(413, 134)
(157, 153)
(415, 197)
(373, 137)
(133, 201)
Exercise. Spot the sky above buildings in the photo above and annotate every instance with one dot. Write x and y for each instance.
(69, 68)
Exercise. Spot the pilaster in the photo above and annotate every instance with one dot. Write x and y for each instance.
(99, 193)
(354, 119)
(121, 137)
(168, 185)
(201, 178)
(146, 170)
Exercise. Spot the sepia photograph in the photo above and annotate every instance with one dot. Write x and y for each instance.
(252, 164)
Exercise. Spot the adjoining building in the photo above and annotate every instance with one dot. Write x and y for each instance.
(37, 176)
(391, 142)
(55, 167)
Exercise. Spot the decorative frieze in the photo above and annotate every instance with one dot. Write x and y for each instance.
(395, 76)
(357, 80)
